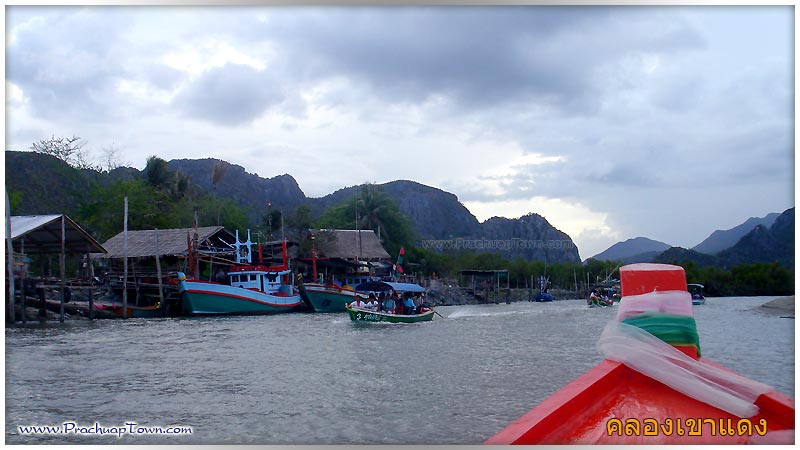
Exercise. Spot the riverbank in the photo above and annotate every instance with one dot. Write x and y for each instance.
(783, 306)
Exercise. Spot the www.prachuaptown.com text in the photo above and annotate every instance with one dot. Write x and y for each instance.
(131, 428)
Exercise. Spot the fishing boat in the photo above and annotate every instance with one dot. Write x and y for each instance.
(698, 298)
(655, 387)
(328, 297)
(253, 288)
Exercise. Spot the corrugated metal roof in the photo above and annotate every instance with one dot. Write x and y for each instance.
(42, 234)
(171, 242)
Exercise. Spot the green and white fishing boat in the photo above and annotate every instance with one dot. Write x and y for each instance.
(367, 315)
(323, 298)
(253, 288)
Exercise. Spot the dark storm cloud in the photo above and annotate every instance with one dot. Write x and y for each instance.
(230, 95)
(476, 56)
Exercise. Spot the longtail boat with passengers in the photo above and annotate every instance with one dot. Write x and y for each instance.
(253, 289)
(698, 297)
(654, 387)
(389, 288)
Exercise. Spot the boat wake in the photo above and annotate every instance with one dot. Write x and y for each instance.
(477, 313)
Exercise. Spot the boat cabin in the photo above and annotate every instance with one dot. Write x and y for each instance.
(267, 279)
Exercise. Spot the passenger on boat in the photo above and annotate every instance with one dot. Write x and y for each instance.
(388, 304)
(418, 303)
(399, 308)
(372, 302)
(358, 303)
(408, 304)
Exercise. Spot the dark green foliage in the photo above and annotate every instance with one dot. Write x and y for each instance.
(376, 212)
(14, 200)
(157, 172)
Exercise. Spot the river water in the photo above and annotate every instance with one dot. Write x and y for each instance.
(321, 379)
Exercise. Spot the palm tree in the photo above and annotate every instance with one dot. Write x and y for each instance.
(157, 172)
(372, 204)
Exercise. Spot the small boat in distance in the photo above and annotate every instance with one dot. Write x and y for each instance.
(253, 289)
(600, 297)
(543, 295)
(698, 297)
(654, 388)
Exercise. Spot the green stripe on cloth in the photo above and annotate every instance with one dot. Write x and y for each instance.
(672, 329)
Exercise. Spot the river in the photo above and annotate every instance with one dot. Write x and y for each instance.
(321, 379)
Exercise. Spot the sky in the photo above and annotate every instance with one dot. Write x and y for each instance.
(611, 122)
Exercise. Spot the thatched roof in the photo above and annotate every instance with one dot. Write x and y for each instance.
(345, 244)
(171, 242)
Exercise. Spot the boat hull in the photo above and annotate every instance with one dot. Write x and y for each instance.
(596, 302)
(134, 311)
(201, 299)
(585, 411)
(615, 404)
(358, 315)
(543, 297)
(324, 299)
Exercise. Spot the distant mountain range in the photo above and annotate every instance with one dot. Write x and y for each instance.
(640, 249)
(48, 185)
(760, 243)
(764, 239)
(724, 239)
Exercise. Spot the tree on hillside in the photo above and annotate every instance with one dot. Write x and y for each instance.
(112, 158)
(157, 172)
(70, 150)
(376, 212)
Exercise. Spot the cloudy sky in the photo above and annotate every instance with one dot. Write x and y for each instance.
(612, 122)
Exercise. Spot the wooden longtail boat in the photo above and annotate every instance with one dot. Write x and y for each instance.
(366, 315)
(615, 404)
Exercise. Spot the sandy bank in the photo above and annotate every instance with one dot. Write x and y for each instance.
(782, 305)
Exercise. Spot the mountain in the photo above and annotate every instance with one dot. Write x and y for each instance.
(530, 237)
(45, 184)
(42, 184)
(434, 213)
(439, 215)
(760, 245)
(679, 255)
(247, 189)
(632, 249)
(720, 240)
